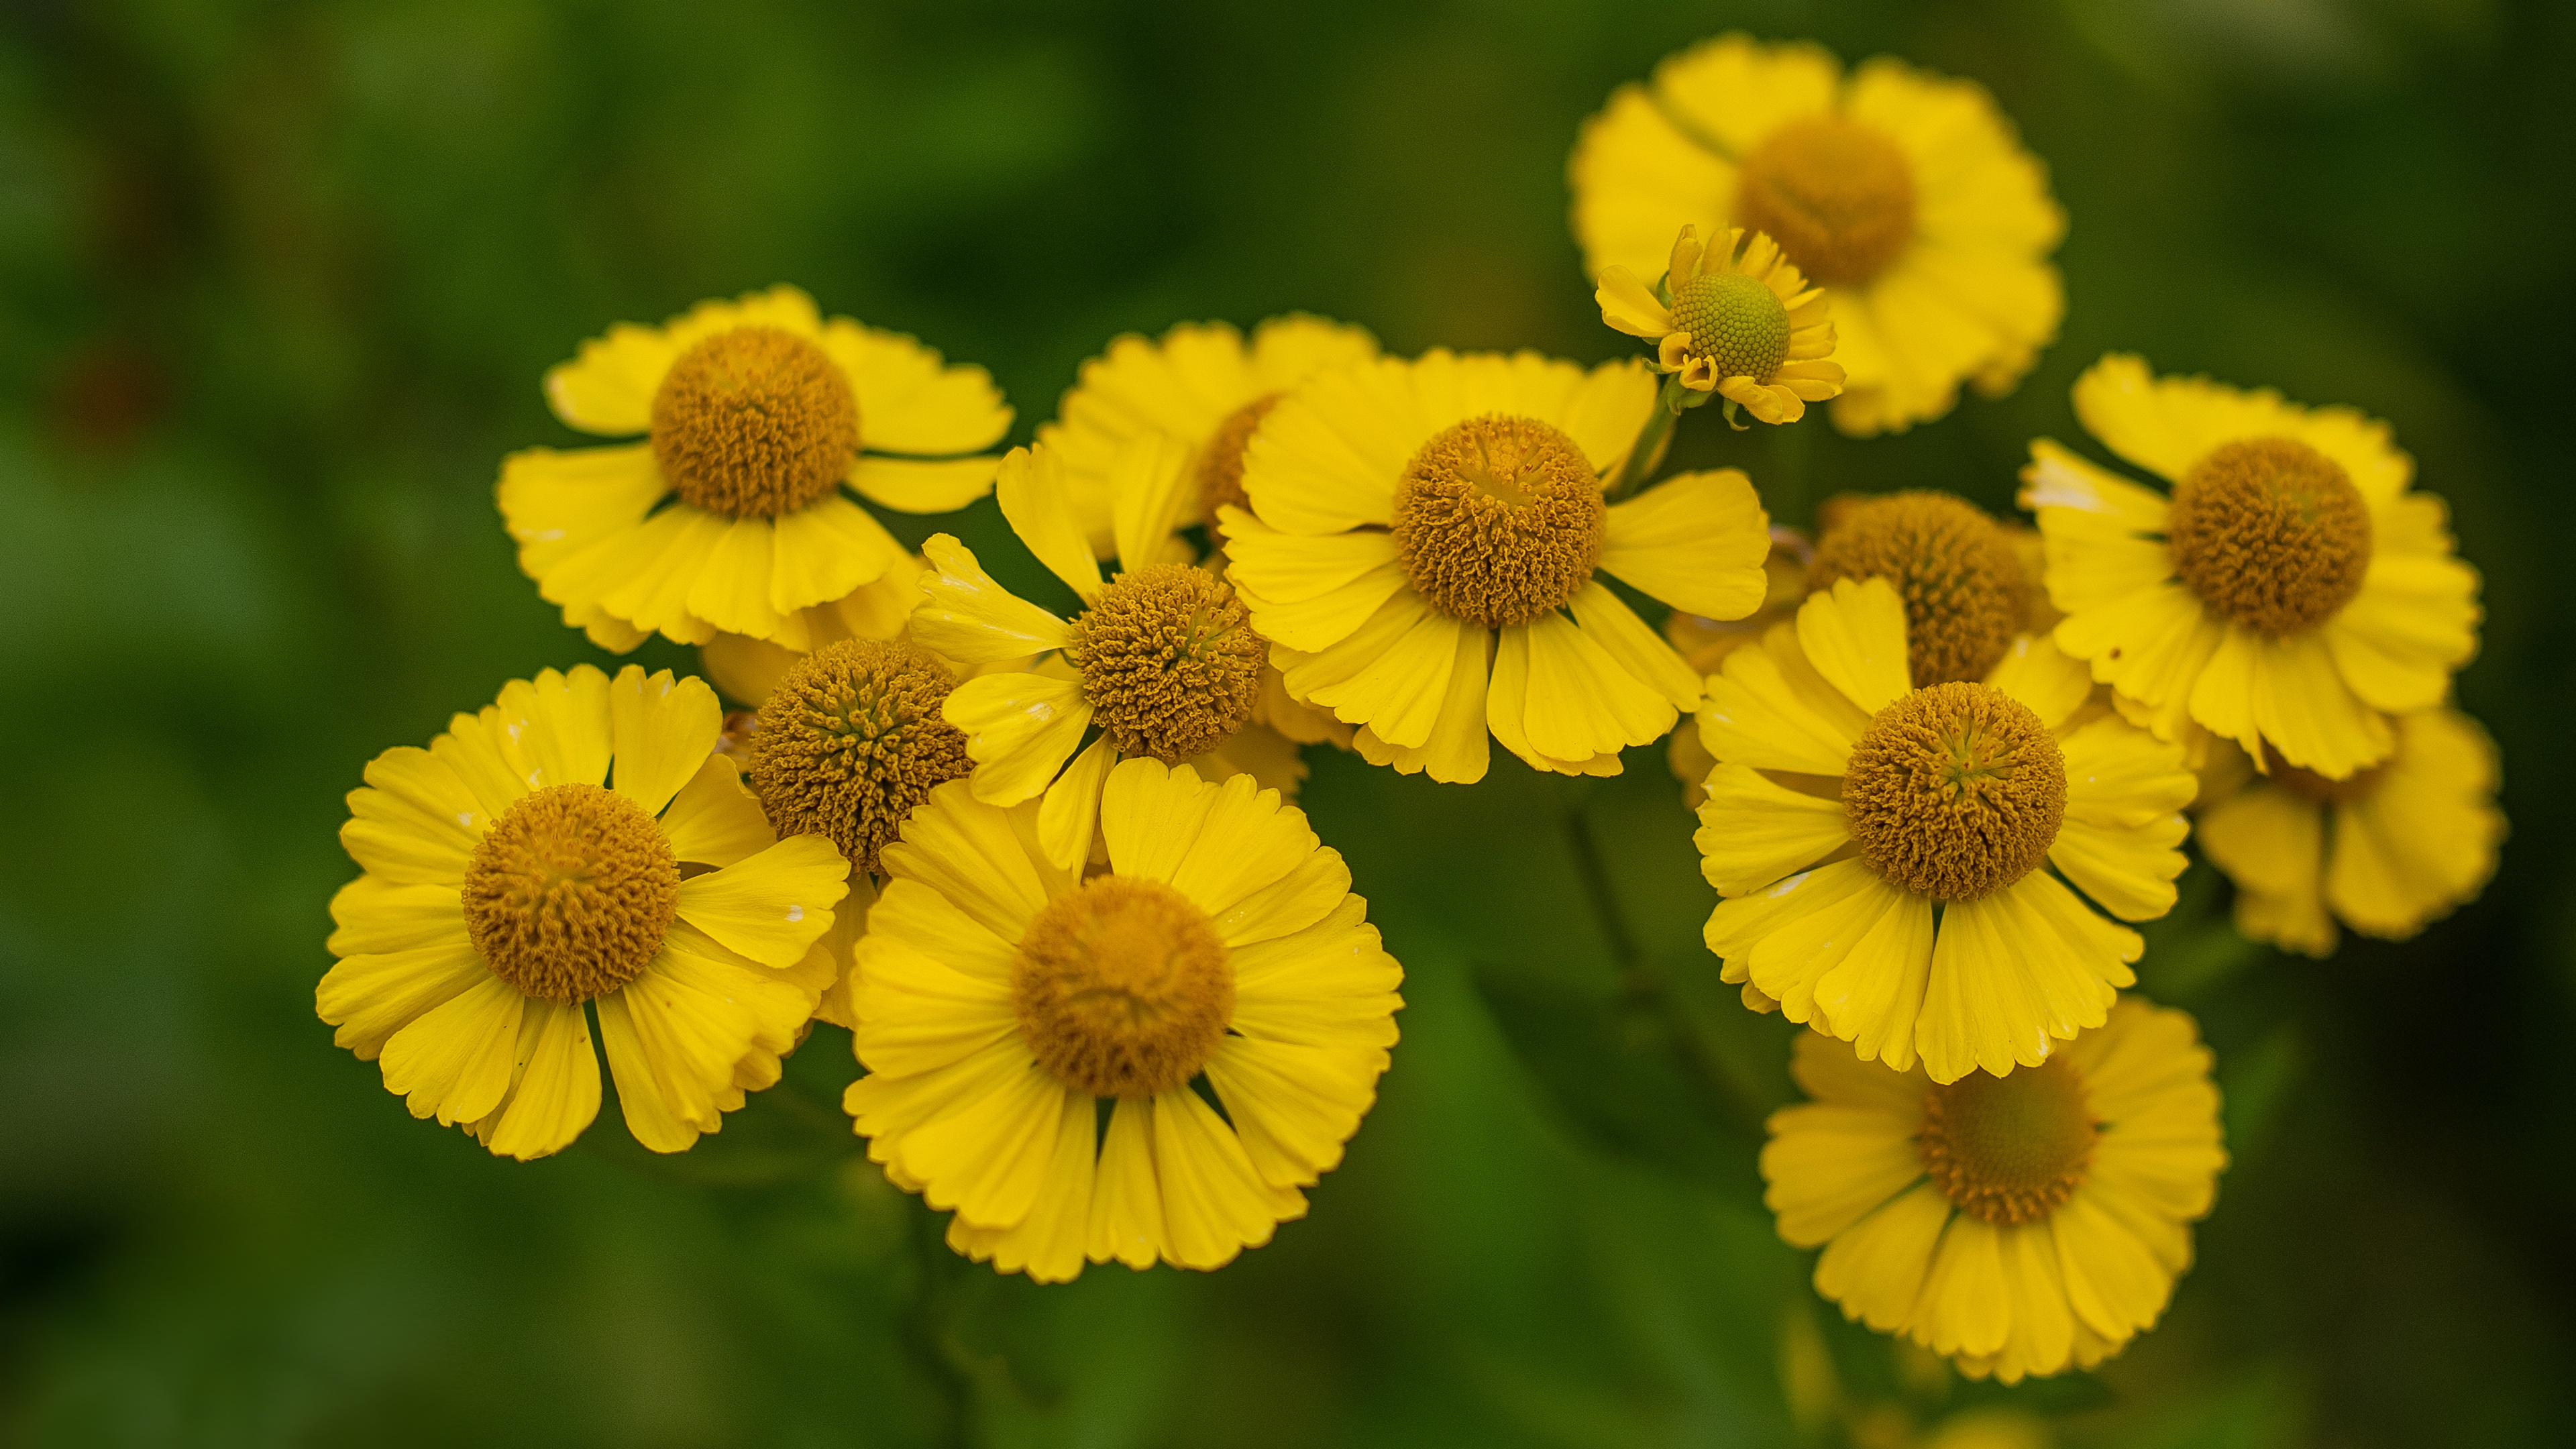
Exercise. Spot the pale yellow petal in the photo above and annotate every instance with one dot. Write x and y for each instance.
(968, 618)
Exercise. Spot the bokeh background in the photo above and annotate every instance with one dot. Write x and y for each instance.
(277, 282)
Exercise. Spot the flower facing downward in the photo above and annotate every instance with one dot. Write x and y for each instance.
(1890, 857)
(2386, 852)
(1218, 989)
(729, 517)
(2290, 590)
(575, 848)
(1424, 552)
(1741, 322)
(2018, 1225)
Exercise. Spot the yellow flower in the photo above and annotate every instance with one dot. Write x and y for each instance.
(529, 864)
(1003, 997)
(2289, 589)
(1742, 323)
(747, 668)
(1162, 658)
(1967, 595)
(1418, 531)
(1883, 849)
(755, 414)
(2017, 1225)
(2386, 852)
(1703, 642)
(1200, 384)
(1902, 193)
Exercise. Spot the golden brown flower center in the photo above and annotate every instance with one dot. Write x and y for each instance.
(755, 422)
(1221, 463)
(570, 892)
(2316, 789)
(1122, 987)
(2010, 1149)
(2271, 533)
(851, 740)
(1955, 792)
(1737, 322)
(1498, 520)
(1169, 662)
(1966, 594)
(1836, 194)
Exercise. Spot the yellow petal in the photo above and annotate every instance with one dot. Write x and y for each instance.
(663, 730)
(1456, 751)
(1696, 541)
(1581, 701)
(1127, 1201)
(987, 1157)
(1876, 1268)
(2039, 674)
(556, 1094)
(915, 485)
(909, 400)
(1757, 715)
(713, 819)
(969, 853)
(1830, 1166)
(1247, 843)
(609, 385)
(1048, 1243)
(416, 824)
(558, 503)
(1627, 306)
(1638, 650)
(1020, 729)
(1753, 832)
(827, 550)
(1070, 815)
(371, 996)
(561, 725)
(1855, 638)
(771, 906)
(971, 619)
(1214, 1202)
(454, 1061)
(1151, 815)
(1154, 492)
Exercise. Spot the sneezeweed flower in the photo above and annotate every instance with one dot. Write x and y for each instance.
(1732, 319)
(1005, 1000)
(575, 848)
(1885, 851)
(2386, 851)
(1420, 530)
(2016, 1225)
(1162, 657)
(1202, 384)
(1967, 595)
(2291, 589)
(731, 515)
(1903, 194)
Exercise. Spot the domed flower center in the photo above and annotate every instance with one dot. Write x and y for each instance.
(851, 740)
(1734, 321)
(2271, 533)
(755, 422)
(1836, 194)
(569, 894)
(1169, 662)
(1955, 792)
(1498, 520)
(1966, 594)
(1221, 463)
(1122, 987)
(2316, 789)
(2010, 1149)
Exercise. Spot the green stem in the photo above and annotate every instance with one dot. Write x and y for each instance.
(1652, 441)
(1594, 873)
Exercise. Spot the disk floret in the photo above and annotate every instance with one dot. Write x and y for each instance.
(1498, 520)
(1169, 661)
(1955, 792)
(851, 740)
(1966, 593)
(2271, 533)
(755, 422)
(2010, 1149)
(1836, 194)
(568, 895)
(1122, 987)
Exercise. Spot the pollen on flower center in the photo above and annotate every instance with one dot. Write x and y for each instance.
(569, 894)
(1498, 520)
(1737, 322)
(1169, 661)
(755, 422)
(1122, 987)
(1966, 593)
(2271, 533)
(1836, 194)
(1955, 792)
(851, 740)
(2010, 1149)
(1221, 462)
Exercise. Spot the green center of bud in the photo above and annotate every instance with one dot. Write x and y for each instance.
(1734, 321)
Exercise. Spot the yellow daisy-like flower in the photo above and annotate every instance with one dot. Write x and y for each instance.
(731, 516)
(575, 848)
(1201, 384)
(1902, 193)
(1884, 850)
(2387, 852)
(2290, 589)
(1162, 658)
(1967, 593)
(2017, 1225)
(1741, 323)
(1419, 532)
(1003, 997)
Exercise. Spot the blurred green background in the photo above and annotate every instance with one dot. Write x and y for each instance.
(277, 282)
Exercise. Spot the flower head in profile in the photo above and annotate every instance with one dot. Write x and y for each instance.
(575, 849)
(1901, 193)
(1161, 661)
(1425, 549)
(1896, 862)
(2018, 1225)
(2291, 589)
(1218, 989)
(2386, 851)
(733, 515)
(1733, 319)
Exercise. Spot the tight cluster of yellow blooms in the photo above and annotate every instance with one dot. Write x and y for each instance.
(1114, 998)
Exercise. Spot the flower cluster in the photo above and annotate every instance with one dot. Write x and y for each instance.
(1115, 1000)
